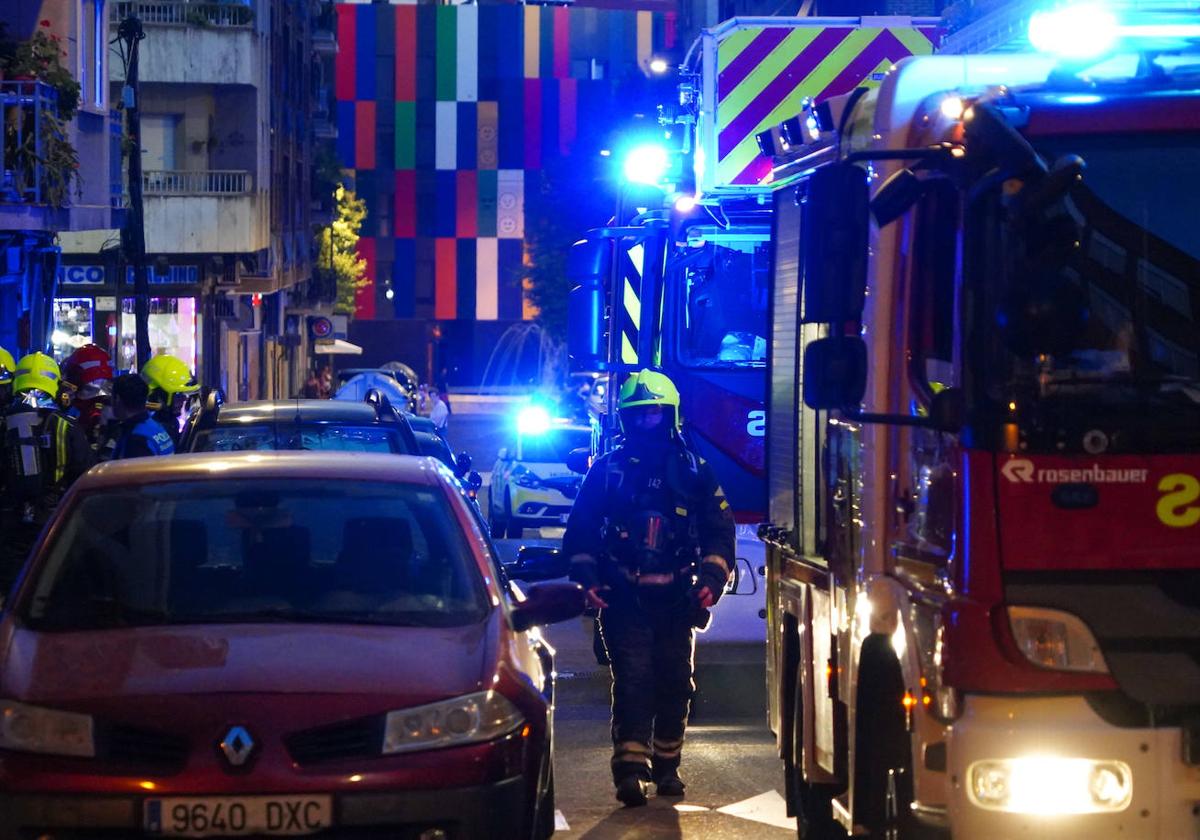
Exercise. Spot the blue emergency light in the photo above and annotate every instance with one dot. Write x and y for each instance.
(647, 164)
(532, 421)
(1084, 31)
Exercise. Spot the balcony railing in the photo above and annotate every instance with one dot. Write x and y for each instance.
(196, 182)
(24, 107)
(185, 13)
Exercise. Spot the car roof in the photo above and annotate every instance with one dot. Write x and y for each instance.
(308, 411)
(242, 466)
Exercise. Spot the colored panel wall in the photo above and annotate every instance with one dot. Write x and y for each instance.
(445, 115)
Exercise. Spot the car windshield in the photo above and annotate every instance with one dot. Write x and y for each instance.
(725, 291)
(258, 551)
(553, 446)
(263, 437)
(1112, 322)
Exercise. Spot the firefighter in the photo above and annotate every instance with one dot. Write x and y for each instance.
(43, 452)
(171, 383)
(138, 433)
(7, 365)
(651, 539)
(90, 374)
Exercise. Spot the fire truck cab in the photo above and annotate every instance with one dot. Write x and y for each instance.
(983, 449)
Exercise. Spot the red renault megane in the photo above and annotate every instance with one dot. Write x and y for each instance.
(273, 644)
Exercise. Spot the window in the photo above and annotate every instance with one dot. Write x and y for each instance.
(726, 293)
(259, 550)
(72, 325)
(243, 438)
(99, 51)
(172, 327)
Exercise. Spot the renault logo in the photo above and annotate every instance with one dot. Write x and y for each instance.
(237, 746)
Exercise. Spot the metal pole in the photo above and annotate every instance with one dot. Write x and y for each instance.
(131, 33)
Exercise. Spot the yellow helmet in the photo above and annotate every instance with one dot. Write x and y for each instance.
(649, 387)
(7, 365)
(37, 372)
(169, 375)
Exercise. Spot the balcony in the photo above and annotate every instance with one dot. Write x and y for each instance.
(196, 182)
(40, 158)
(190, 42)
(324, 40)
(204, 212)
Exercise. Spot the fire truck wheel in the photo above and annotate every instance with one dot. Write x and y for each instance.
(814, 814)
(883, 790)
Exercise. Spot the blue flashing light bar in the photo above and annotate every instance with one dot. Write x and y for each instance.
(1091, 30)
(647, 164)
(533, 421)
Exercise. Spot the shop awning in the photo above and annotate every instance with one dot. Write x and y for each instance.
(336, 346)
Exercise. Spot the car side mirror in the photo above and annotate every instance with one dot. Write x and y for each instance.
(835, 373)
(834, 229)
(462, 464)
(503, 453)
(539, 562)
(578, 460)
(548, 603)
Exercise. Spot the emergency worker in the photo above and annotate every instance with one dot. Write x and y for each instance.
(651, 539)
(90, 374)
(171, 383)
(43, 450)
(138, 433)
(7, 365)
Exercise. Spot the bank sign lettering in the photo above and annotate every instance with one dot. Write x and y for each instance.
(81, 275)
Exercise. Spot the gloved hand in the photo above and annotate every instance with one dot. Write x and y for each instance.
(595, 597)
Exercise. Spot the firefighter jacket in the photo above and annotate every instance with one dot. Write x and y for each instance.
(141, 436)
(44, 451)
(650, 525)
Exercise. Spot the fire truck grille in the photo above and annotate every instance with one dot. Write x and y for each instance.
(1146, 623)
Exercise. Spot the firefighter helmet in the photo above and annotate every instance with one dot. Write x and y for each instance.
(37, 372)
(169, 375)
(649, 387)
(7, 365)
(90, 371)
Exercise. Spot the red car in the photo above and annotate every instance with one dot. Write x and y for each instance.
(274, 643)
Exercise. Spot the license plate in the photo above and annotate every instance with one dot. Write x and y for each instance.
(234, 815)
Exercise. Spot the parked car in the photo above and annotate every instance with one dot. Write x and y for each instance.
(269, 643)
(532, 486)
(264, 425)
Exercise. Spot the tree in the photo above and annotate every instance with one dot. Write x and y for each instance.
(569, 200)
(339, 252)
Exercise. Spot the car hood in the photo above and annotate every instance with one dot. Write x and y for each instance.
(413, 664)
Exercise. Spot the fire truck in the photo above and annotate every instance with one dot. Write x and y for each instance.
(983, 442)
(680, 280)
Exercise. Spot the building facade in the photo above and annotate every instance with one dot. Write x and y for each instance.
(59, 160)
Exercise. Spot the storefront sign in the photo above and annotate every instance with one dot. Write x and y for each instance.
(81, 275)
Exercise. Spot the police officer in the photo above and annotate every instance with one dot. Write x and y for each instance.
(171, 383)
(138, 434)
(651, 539)
(44, 451)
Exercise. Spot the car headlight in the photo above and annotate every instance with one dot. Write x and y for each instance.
(1056, 639)
(1050, 786)
(33, 729)
(526, 478)
(450, 723)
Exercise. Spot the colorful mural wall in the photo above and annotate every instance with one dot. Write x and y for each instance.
(446, 114)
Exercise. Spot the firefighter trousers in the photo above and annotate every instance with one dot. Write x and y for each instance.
(651, 663)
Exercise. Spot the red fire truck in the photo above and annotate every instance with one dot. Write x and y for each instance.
(983, 448)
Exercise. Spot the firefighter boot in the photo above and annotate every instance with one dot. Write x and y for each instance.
(631, 791)
(668, 783)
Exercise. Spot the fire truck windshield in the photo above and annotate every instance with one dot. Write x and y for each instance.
(1098, 294)
(724, 290)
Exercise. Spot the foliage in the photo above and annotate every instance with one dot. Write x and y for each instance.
(41, 58)
(338, 251)
(568, 201)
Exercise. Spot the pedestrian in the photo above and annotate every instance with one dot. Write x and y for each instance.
(43, 450)
(139, 434)
(312, 386)
(326, 382)
(651, 539)
(439, 411)
(171, 384)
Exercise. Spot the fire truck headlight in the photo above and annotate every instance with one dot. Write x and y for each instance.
(1055, 639)
(1050, 786)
